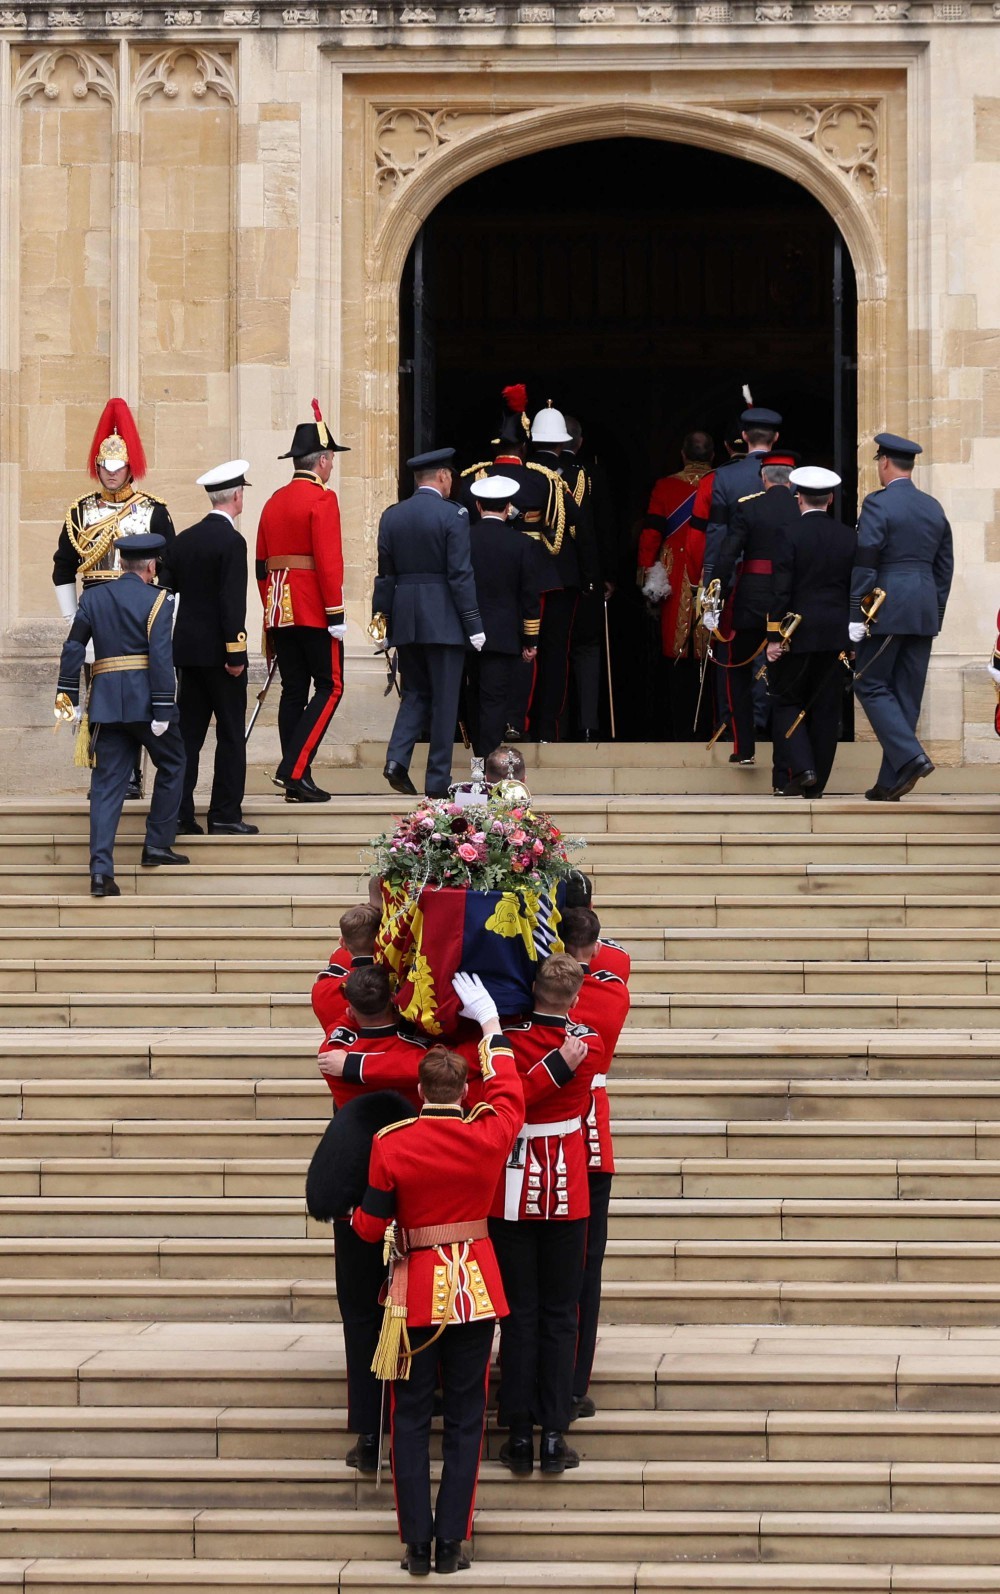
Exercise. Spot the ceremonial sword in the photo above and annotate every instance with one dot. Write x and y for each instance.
(260, 698)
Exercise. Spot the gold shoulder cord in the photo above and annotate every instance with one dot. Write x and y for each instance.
(555, 509)
(92, 550)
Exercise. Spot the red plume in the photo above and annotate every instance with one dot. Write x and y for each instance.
(316, 410)
(516, 398)
(117, 417)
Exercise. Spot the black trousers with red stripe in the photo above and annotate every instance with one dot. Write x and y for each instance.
(744, 662)
(462, 1357)
(308, 657)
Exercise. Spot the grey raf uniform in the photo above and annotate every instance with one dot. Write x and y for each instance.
(905, 547)
(132, 685)
(427, 592)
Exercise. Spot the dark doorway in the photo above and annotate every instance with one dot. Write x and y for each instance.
(639, 285)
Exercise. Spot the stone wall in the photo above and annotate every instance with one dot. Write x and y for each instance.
(208, 211)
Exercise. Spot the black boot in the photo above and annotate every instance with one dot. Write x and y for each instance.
(449, 1557)
(417, 1559)
(104, 885)
(296, 791)
(556, 1454)
(518, 1455)
(399, 779)
(364, 1453)
(152, 857)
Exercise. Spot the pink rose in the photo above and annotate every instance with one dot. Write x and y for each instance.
(517, 836)
(497, 827)
(538, 849)
(453, 808)
(468, 852)
(517, 813)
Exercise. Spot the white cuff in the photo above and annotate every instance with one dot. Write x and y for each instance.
(66, 599)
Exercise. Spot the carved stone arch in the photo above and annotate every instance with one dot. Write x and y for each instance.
(215, 71)
(37, 74)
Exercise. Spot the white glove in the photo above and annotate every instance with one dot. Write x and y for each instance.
(159, 726)
(656, 587)
(711, 618)
(476, 1000)
(66, 599)
(478, 641)
(994, 673)
(338, 632)
(88, 652)
(383, 646)
(856, 631)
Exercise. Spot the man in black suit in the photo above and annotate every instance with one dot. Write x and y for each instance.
(504, 563)
(812, 578)
(426, 593)
(745, 566)
(207, 567)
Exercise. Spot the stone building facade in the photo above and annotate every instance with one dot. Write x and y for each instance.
(208, 209)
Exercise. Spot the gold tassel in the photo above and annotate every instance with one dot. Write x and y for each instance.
(83, 757)
(392, 1353)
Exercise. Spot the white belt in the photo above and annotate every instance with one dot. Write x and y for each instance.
(539, 1131)
(599, 1082)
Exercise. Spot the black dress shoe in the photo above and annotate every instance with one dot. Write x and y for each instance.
(590, 736)
(910, 773)
(399, 779)
(449, 1556)
(417, 1559)
(192, 828)
(878, 794)
(152, 857)
(310, 785)
(742, 762)
(133, 791)
(555, 1454)
(801, 785)
(363, 1455)
(296, 791)
(240, 828)
(104, 885)
(518, 1455)
(583, 1406)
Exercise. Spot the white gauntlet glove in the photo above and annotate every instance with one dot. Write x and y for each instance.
(338, 632)
(159, 726)
(710, 619)
(477, 1003)
(994, 673)
(478, 641)
(856, 631)
(656, 587)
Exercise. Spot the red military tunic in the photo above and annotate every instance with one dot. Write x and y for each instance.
(379, 1057)
(602, 1005)
(546, 1174)
(328, 1000)
(668, 535)
(442, 1168)
(301, 521)
(611, 955)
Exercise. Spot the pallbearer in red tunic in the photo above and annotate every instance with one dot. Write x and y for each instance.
(300, 573)
(538, 1221)
(356, 950)
(671, 553)
(433, 1177)
(602, 1005)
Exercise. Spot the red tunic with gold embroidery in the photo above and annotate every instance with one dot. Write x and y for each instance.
(379, 1057)
(301, 520)
(442, 1167)
(670, 536)
(602, 1005)
(546, 1173)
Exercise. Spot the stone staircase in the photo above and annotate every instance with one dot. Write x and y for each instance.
(799, 1378)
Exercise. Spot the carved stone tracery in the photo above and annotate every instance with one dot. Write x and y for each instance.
(215, 71)
(405, 136)
(846, 134)
(37, 74)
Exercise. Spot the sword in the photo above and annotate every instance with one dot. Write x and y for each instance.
(381, 1436)
(701, 690)
(260, 698)
(841, 659)
(607, 656)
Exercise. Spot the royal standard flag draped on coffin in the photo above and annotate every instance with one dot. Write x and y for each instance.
(502, 935)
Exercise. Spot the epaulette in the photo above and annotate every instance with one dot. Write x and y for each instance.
(478, 1110)
(341, 1036)
(545, 470)
(152, 497)
(607, 941)
(607, 974)
(747, 497)
(400, 1123)
(415, 1040)
(580, 1030)
(513, 1028)
(484, 466)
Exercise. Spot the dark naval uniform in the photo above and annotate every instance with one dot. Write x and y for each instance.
(132, 687)
(504, 563)
(434, 1176)
(565, 531)
(812, 577)
(427, 592)
(207, 567)
(905, 547)
(754, 536)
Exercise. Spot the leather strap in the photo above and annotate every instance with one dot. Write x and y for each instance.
(291, 561)
(434, 1234)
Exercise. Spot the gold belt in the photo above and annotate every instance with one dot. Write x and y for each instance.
(423, 1239)
(291, 561)
(122, 661)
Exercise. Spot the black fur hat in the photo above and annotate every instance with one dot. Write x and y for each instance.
(338, 1173)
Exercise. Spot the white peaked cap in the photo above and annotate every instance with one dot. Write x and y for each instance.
(549, 426)
(498, 489)
(231, 474)
(814, 479)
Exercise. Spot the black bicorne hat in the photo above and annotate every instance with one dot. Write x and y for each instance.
(313, 437)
